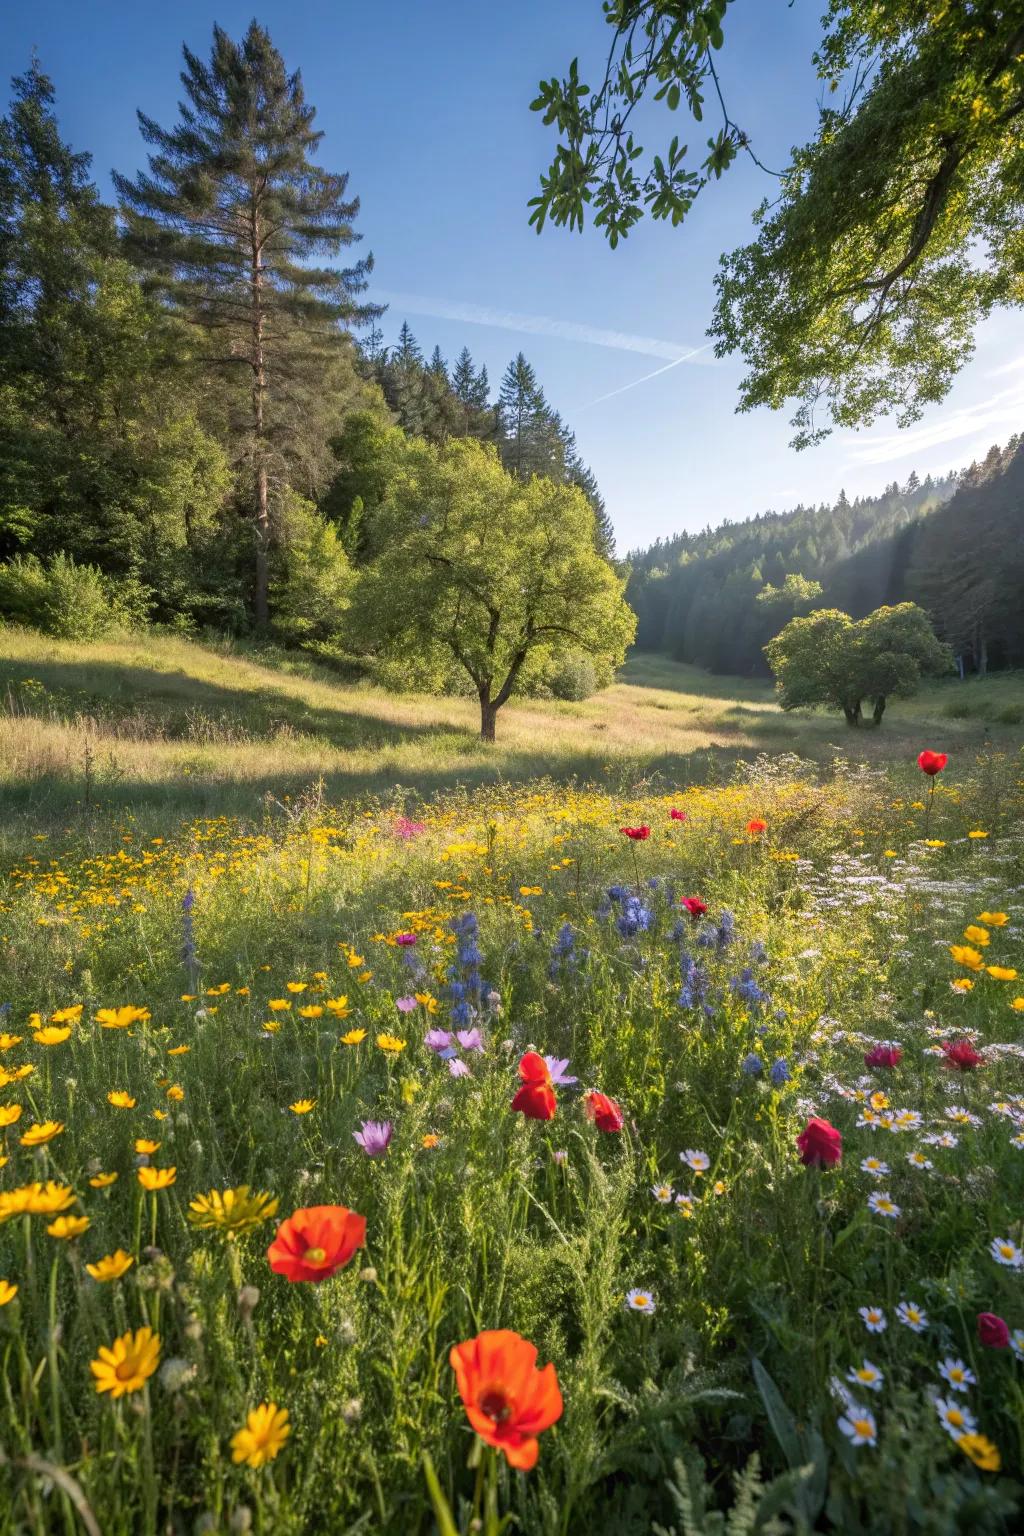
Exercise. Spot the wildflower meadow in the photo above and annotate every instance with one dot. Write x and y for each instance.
(536, 1159)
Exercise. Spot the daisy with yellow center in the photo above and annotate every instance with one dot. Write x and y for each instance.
(128, 1363)
(265, 1431)
(111, 1267)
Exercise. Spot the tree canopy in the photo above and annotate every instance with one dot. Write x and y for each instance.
(827, 658)
(883, 241)
(470, 564)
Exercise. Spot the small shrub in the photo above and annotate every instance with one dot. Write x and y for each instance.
(73, 602)
(573, 677)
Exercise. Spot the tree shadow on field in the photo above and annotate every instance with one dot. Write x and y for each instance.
(148, 702)
(203, 790)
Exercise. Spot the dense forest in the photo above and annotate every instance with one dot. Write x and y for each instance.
(195, 402)
(953, 545)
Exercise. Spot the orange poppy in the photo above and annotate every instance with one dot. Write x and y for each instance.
(536, 1098)
(315, 1242)
(507, 1399)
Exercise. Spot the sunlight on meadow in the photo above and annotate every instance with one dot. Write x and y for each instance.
(710, 1103)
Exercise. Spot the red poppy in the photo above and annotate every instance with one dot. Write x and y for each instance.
(962, 1055)
(604, 1112)
(638, 834)
(536, 1098)
(694, 906)
(756, 827)
(315, 1242)
(508, 1401)
(675, 815)
(821, 1145)
(932, 763)
(883, 1056)
(992, 1331)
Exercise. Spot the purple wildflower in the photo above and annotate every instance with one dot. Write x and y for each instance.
(470, 1039)
(406, 1004)
(559, 1076)
(438, 1040)
(405, 940)
(458, 1068)
(405, 828)
(374, 1137)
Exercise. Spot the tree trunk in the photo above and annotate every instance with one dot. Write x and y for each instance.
(488, 717)
(879, 709)
(259, 386)
(852, 713)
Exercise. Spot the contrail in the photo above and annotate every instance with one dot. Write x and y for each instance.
(642, 380)
(537, 325)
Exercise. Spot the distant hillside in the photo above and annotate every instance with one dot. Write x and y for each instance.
(954, 545)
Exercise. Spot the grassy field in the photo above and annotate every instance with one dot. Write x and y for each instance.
(187, 729)
(213, 981)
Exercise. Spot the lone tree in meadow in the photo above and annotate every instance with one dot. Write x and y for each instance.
(469, 564)
(226, 222)
(829, 659)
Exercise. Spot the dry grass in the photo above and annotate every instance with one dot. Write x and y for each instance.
(202, 728)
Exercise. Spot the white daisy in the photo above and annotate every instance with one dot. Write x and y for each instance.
(698, 1161)
(866, 1375)
(956, 1421)
(911, 1316)
(1005, 1252)
(875, 1166)
(918, 1160)
(959, 1375)
(907, 1119)
(858, 1425)
(874, 1319)
(662, 1193)
(882, 1203)
(640, 1301)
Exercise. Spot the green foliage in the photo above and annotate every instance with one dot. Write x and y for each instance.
(74, 602)
(830, 659)
(470, 562)
(313, 592)
(227, 222)
(796, 591)
(893, 232)
(573, 677)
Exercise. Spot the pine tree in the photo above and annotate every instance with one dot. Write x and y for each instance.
(226, 221)
(525, 420)
(471, 389)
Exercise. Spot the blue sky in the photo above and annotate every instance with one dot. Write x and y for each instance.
(426, 104)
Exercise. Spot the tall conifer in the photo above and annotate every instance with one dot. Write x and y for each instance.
(226, 222)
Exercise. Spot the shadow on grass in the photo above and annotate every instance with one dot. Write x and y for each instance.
(53, 796)
(185, 708)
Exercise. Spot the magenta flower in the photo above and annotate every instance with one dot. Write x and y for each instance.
(470, 1039)
(458, 1068)
(406, 1004)
(438, 1040)
(405, 828)
(405, 940)
(374, 1137)
(559, 1076)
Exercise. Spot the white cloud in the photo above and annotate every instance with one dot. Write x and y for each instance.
(541, 325)
(1005, 409)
